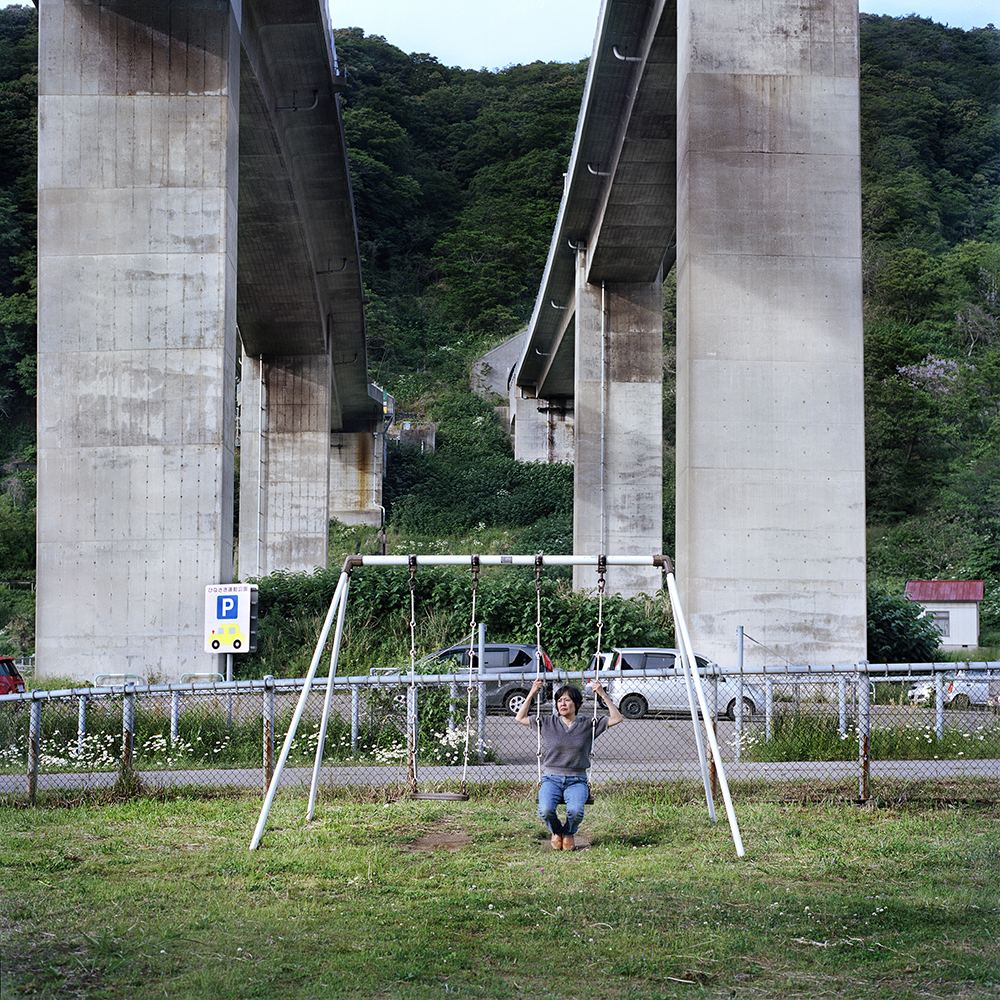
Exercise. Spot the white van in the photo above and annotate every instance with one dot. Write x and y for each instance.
(636, 693)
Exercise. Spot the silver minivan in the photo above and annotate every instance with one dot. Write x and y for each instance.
(500, 658)
(637, 695)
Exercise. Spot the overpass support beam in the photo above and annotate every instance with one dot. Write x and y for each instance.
(284, 464)
(770, 450)
(137, 193)
(618, 461)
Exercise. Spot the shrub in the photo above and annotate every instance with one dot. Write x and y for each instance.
(898, 632)
(292, 608)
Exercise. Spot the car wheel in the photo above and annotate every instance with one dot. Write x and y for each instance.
(960, 701)
(748, 710)
(237, 643)
(633, 706)
(513, 700)
(215, 644)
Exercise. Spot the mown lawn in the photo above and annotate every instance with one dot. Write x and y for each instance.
(421, 899)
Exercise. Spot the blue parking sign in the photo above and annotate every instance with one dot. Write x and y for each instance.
(228, 606)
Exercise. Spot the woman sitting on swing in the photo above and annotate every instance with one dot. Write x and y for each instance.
(568, 740)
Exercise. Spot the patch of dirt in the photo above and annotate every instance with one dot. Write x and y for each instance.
(443, 839)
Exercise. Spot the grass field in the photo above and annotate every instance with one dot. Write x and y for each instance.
(426, 899)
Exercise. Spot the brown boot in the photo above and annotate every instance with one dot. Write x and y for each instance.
(557, 842)
(568, 844)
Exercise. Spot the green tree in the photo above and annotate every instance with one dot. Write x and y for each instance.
(898, 632)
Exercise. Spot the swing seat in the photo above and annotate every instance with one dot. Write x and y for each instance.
(441, 796)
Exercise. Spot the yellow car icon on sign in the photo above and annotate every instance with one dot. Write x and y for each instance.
(227, 635)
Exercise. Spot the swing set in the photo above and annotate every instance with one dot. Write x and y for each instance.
(338, 609)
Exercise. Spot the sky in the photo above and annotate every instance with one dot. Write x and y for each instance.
(486, 33)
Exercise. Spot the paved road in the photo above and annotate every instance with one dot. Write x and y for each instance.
(374, 777)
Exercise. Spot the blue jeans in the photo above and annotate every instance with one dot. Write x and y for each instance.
(556, 788)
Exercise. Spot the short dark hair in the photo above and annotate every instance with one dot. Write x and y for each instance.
(574, 692)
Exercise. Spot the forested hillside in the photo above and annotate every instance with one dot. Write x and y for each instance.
(18, 187)
(457, 176)
(931, 222)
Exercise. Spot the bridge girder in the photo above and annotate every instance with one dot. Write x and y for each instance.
(620, 198)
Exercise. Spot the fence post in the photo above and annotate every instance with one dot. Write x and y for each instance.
(769, 709)
(175, 714)
(481, 720)
(268, 714)
(842, 703)
(864, 735)
(713, 704)
(128, 726)
(81, 726)
(738, 713)
(355, 716)
(939, 704)
(34, 738)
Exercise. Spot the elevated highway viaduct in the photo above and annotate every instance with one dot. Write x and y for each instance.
(195, 222)
(719, 137)
(195, 219)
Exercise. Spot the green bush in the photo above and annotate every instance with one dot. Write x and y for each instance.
(292, 608)
(432, 494)
(898, 632)
(17, 622)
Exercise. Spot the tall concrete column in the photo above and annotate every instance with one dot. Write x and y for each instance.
(770, 450)
(284, 464)
(618, 460)
(138, 121)
(356, 472)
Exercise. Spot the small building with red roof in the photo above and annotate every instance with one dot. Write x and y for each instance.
(954, 607)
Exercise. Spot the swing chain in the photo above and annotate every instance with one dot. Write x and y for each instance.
(413, 613)
(411, 734)
(538, 599)
(539, 562)
(475, 585)
(602, 566)
(468, 690)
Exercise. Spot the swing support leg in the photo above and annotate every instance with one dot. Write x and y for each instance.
(692, 674)
(321, 744)
(338, 595)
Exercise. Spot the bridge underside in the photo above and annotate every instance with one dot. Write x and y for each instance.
(194, 208)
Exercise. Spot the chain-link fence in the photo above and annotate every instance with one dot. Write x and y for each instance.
(854, 724)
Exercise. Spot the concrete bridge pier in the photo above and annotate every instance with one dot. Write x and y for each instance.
(284, 464)
(618, 461)
(770, 421)
(137, 193)
(357, 465)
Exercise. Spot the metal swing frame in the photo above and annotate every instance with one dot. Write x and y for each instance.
(338, 608)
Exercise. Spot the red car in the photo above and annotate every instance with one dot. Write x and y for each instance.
(11, 681)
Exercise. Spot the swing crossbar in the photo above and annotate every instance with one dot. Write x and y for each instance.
(658, 561)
